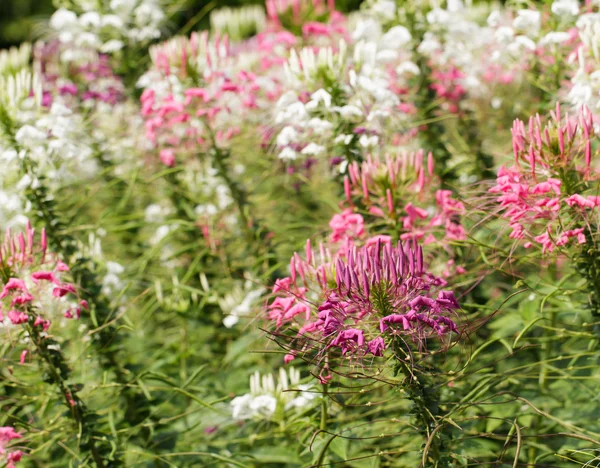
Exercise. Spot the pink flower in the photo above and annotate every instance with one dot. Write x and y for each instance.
(288, 358)
(17, 317)
(167, 157)
(44, 276)
(347, 225)
(358, 288)
(13, 457)
(8, 434)
(11, 285)
(532, 194)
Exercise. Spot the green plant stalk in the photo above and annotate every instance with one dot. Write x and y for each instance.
(323, 425)
(58, 373)
(83, 274)
(427, 412)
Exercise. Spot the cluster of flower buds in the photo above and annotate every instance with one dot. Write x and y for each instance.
(32, 285)
(404, 190)
(547, 194)
(375, 295)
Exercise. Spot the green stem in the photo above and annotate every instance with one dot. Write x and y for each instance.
(427, 412)
(323, 426)
(58, 373)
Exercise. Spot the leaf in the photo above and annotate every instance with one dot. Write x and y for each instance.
(339, 446)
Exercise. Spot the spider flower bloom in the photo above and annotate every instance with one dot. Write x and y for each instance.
(376, 294)
(545, 195)
(7, 435)
(31, 279)
(200, 91)
(403, 190)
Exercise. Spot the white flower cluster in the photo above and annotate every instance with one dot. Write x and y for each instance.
(123, 22)
(37, 143)
(585, 82)
(361, 96)
(238, 303)
(15, 59)
(268, 401)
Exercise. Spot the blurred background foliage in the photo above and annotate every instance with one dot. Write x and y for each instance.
(23, 20)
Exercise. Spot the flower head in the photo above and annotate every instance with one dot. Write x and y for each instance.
(363, 301)
(32, 286)
(545, 195)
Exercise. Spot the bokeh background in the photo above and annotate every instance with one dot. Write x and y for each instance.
(23, 20)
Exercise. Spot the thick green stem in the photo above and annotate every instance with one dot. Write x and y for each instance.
(427, 411)
(58, 372)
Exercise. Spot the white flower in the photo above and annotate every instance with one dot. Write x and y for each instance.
(387, 56)
(522, 42)
(317, 97)
(155, 213)
(123, 7)
(555, 37)
(366, 29)
(8, 155)
(264, 405)
(240, 407)
(429, 44)
(409, 68)
(313, 149)
(160, 234)
(304, 398)
(494, 19)
(565, 7)
(396, 38)
(295, 113)
(385, 8)
(344, 139)
(287, 135)
(112, 21)
(27, 181)
(60, 110)
(455, 6)
(90, 20)
(207, 209)
(528, 21)
(438, 16)
(29, 136)
(63, 19)
(367, 141)
(287, 99)
(319, 126)
(504, 34)
(350, 112)
(288, 154)
(88, 39)
(230, 321)
(114, 268)
(111, 46)
(265, 397)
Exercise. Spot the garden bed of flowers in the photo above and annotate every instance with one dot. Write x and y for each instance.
(302, 238)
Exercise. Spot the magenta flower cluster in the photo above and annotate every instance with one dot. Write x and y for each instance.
(32, 279)
(540, 193)
(363, 301)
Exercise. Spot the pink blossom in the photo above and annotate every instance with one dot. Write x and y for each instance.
(347, 225)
